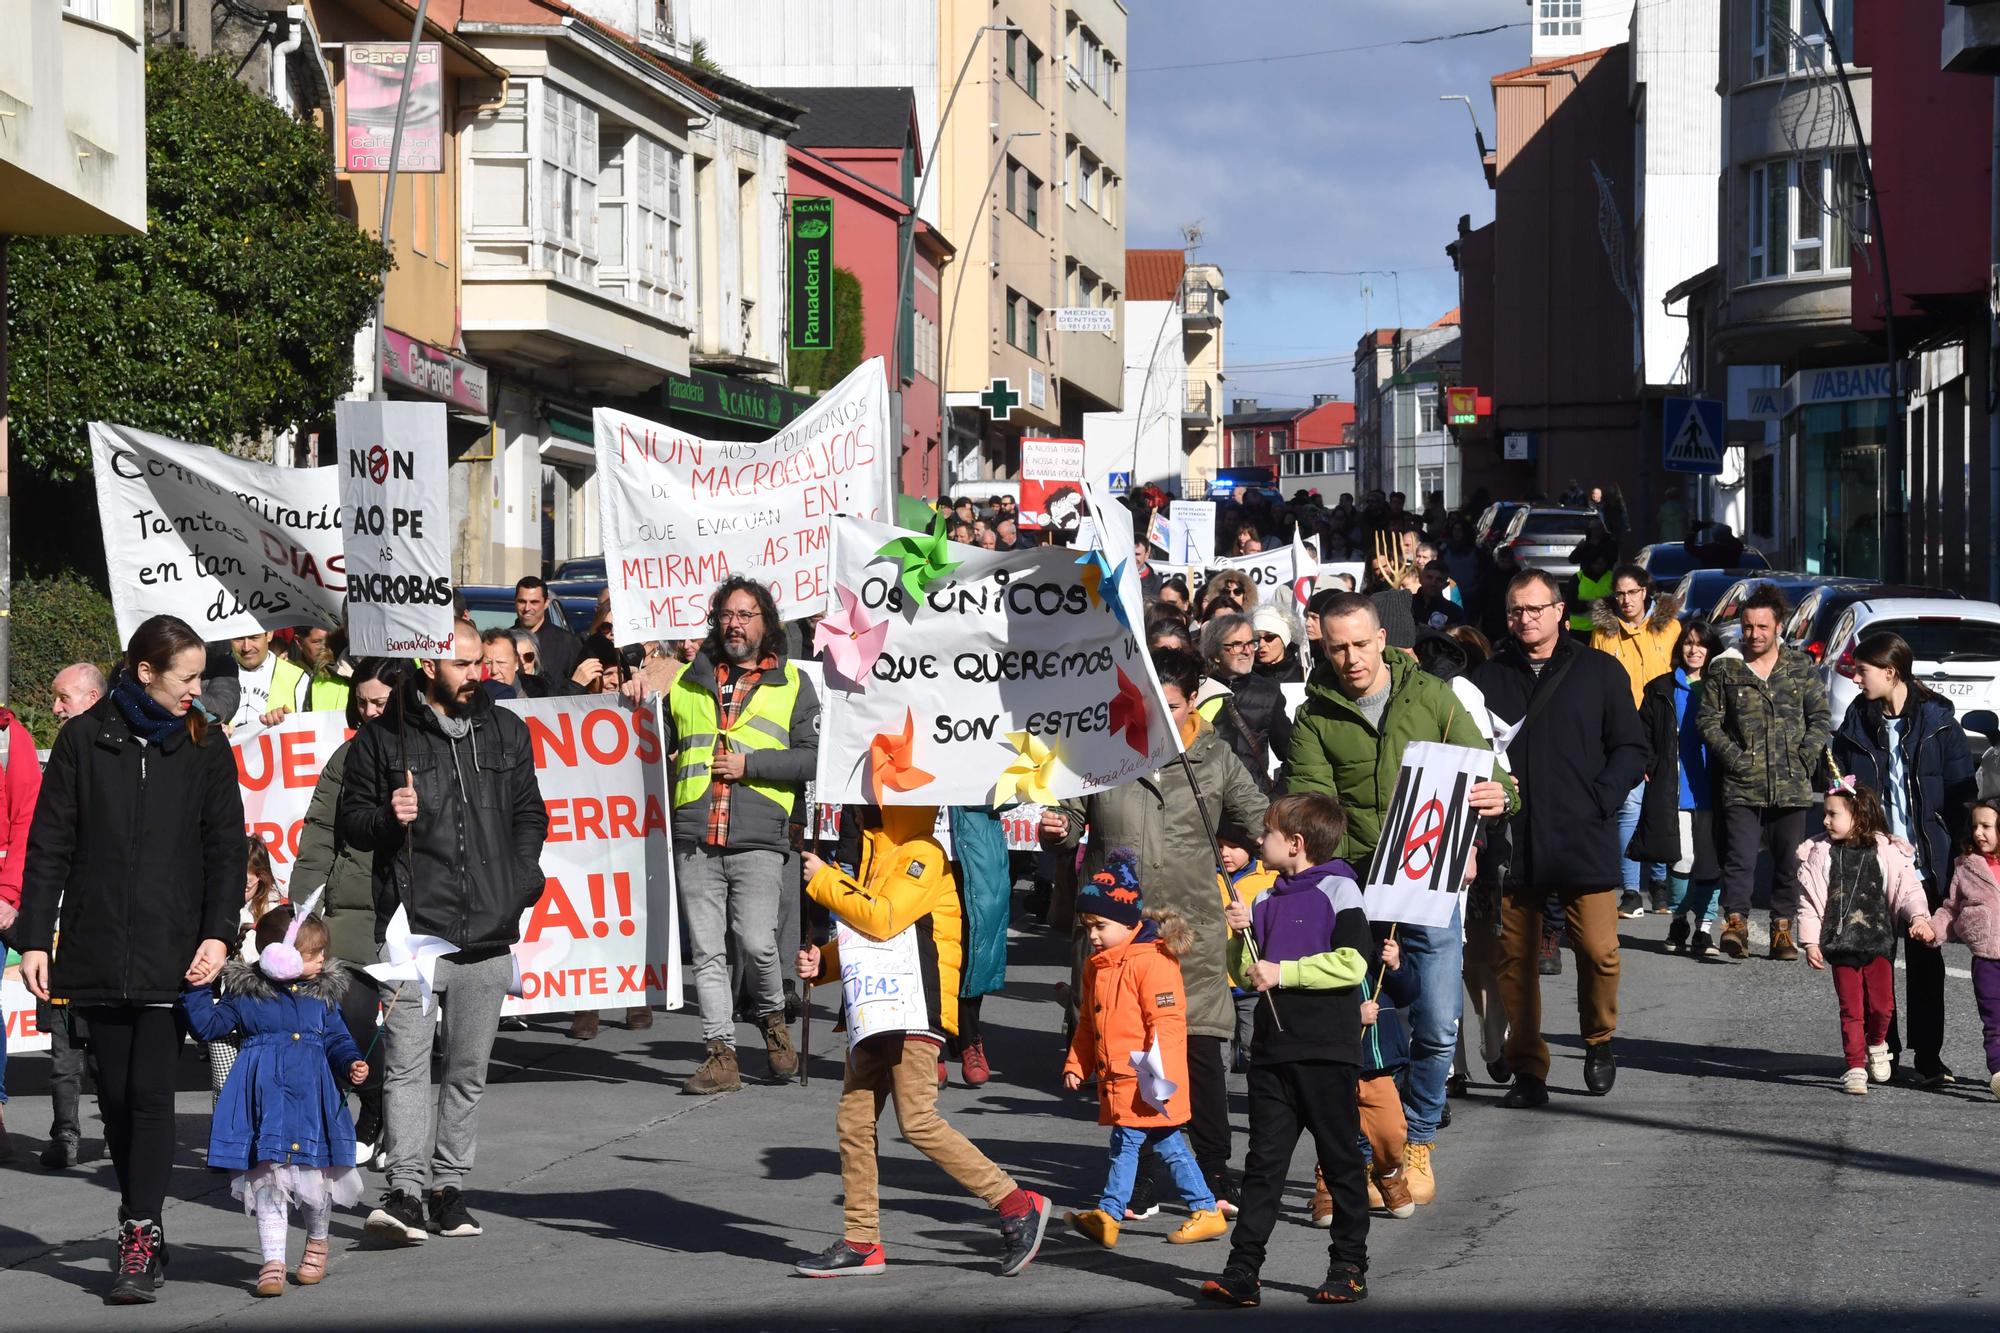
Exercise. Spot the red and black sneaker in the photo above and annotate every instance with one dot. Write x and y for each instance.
(142, 1264)
(1345, 1284)
(1022, 1235)
(1237, 1286)
(844, 1258)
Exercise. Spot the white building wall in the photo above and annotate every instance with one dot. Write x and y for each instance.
(1144, 438)
(1567, 27)
(834, 43)
(1674, 69)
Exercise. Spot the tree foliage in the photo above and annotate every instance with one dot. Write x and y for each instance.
(235, 313)
(821, 370)
(57, 620)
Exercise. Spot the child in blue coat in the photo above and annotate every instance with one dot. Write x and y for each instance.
(281, 1121)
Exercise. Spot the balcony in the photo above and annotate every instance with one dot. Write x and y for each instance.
(73, 120)
(1201, 306)
(1198, 407)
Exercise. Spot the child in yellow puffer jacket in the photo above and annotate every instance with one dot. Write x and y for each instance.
(897, 952)
(1242, 871)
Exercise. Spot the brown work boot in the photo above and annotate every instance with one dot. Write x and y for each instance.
(717, 1073)
(1735, 942)
(1322, 1204)
(638, 1018)
(584, 1026)
(1782, 948)
(778, 1047)
(1394, 1188)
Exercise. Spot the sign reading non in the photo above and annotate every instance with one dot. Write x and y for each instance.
(1691, 431)
(372, 88)
(812, 274)
(395, 498)
(1419, 869)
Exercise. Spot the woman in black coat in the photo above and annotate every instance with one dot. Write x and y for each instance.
(1903, 740)
(137, 856)
(1252, 717)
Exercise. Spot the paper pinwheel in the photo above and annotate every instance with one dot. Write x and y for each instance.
(1129, 716)
(410, 957)
(1027, 777)
(925, 560)
(889, 761)
(1103, 579)
(849, 640)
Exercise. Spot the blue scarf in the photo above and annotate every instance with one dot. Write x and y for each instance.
(143, 714)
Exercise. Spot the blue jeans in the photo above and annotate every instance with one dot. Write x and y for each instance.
(1634, 872)
(1438, 954)
(1696, 898)
(1171, 1147)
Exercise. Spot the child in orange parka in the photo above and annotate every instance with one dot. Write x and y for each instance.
(1134, 1001)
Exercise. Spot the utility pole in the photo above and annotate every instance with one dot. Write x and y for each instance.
(6, 501)
(381, 390)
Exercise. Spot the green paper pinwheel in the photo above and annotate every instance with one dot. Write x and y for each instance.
(924, 560)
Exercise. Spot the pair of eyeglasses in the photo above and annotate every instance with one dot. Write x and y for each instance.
(1528, 610)
(739, 617)
(1238, 645)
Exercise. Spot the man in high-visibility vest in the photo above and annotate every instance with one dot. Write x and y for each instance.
(743, 724)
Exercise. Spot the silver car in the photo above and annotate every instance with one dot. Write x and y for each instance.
(1543, 537)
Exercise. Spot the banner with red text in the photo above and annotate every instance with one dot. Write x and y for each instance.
(17, 1011)
(606, 933)
(681, 513)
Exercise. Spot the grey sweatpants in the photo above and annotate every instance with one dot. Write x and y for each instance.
(731, 897)
(471, 994)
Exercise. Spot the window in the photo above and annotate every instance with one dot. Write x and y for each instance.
(1013, 318)
(1091, 66)
(1034, 83)
(1279, 439)
(1089, 172)
(1069, 171)
(1430, 481)
(1428, 420)
(638, 221)
(1024, 64)
(1024, 194)
(1242, 448)
(1786, 35)
(1799, 213)
(1109, 206)
(1031, 341)
(566, 218)
(1024, 323)
(1562, 18)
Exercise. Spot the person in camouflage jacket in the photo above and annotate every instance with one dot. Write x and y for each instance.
(1765, 719)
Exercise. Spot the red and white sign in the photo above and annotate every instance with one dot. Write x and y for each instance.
(606, 933)
(434, 371)
(1052, 485)
(17, 1010)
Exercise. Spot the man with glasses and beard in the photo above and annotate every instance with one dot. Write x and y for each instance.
(743, 722)
(1564, 716)
(442, 790)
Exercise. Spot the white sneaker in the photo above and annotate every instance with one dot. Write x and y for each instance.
(1995, 1085)
(1878, 1063)
(1855, 1081)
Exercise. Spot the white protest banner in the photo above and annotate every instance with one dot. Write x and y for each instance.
(1305, 568)
(1272, 573)
(1052, 486)
(1418, 873)
(229, 546)
(681, 513)
(957, 676)
(397, 503)
(1195, 521)
(17, 1011)
(606, 932)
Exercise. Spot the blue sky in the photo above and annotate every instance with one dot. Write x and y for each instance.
(1344, 161)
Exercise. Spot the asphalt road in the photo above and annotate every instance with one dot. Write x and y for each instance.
(1724, 1183)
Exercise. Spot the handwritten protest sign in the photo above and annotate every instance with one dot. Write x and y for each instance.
(230, 546)
(1194, 521)
(883, 982)
(1272, 573)
(606, 932)
(1003, 677)
(396, 501)
(1052, 486)
(681, 513)
(1419, 870)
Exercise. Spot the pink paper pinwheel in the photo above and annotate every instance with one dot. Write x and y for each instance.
(849, 640)
(890, 763)
(1130, 717)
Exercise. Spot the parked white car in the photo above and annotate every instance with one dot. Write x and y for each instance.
(1956, 646)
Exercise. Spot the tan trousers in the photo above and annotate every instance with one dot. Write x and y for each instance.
(1382, 1122)
(1592, 916)
(905, 1072)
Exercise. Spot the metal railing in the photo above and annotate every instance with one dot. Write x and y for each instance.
(1200, 302)
(1200, 402)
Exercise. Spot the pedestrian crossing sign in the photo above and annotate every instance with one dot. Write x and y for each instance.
(1691, 429)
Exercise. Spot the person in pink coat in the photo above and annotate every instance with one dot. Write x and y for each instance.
(1857, 887)
(1970, 914)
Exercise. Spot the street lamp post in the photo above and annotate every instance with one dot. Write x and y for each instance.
(1478, 135)
(951, 327)
(381, 390)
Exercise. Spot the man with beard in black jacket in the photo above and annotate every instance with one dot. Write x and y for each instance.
(442, 789)
(1564, 716)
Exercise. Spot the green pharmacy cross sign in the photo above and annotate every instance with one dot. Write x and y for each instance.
(1000, 400)
(812, 274)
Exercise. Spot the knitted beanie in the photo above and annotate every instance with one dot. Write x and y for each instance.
(1113, 892)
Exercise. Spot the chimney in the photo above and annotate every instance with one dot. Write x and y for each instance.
(1322, 399)
(1245, 405)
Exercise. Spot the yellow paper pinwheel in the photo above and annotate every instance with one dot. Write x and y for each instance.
(1027, 777)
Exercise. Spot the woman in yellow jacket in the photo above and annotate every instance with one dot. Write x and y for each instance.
(899, 917)
(1642, 638)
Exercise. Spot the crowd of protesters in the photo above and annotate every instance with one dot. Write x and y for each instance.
(1637, 765)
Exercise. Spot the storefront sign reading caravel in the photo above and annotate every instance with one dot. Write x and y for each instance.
(812, 274)
(434, 372)
(745, 401)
